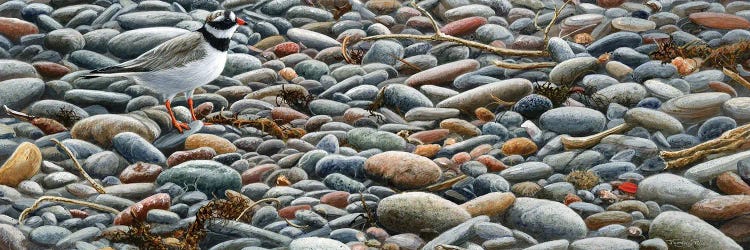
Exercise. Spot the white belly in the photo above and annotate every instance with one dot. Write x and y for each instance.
(177, 80)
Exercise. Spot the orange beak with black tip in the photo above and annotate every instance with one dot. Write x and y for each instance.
(240, 21)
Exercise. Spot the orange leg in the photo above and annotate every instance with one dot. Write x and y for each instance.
(176, 124)
(192, 110)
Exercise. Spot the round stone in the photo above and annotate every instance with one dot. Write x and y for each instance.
(403, 170)
(413, 212)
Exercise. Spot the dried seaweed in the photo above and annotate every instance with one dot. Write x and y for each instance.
(235, 207)
(263, 124)
(295, 98)
(727, 56)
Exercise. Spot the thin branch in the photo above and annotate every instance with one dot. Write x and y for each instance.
(552, 22)
(729, 141)
(439, 36)
(77, 165)
(736, 77)
(274, 200)
(36, 204)
(524, 66)
(445, 184)
(344, 51)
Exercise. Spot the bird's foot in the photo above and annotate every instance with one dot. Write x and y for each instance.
(180, 126)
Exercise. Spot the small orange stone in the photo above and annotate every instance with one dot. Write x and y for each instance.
(491, 204)
(484, 114)
(427, 150)
(583, 38)
(492, 163)
(519, 146)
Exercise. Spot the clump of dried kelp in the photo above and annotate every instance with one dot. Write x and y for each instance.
(235, 207)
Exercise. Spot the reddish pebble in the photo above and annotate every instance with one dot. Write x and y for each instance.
(286, 115)
(140, 172)
(140, 209)
(464, 26)
(720, 20)
(461, 158)
(493, 164)
(285, 49)
(288, 212)
(204, 153)
(50, 70)
(256, 173)
(337, 199)
(430, 136)
(731, 183)
(77, 213)
(14, 28)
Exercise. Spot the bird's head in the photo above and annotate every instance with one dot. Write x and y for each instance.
(222, 23)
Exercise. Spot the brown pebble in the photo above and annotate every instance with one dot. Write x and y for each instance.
(140, 172)
(402, 170)
(609, 3)
(285, 49)
(599, 220)
(337, 199)
(256, 174)
(204, 109)
(484, 114)
(738, 229)
(50, 70)
(430, 136)
(463, 26)
(14, 28)
(461, 158)
(731, 183)
(519, 146)
(721, 208)
(286, 115)
(203, 153)
(719, 20)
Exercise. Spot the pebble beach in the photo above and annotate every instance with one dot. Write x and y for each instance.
(355, 124)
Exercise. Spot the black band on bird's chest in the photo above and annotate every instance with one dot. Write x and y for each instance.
(220, 44)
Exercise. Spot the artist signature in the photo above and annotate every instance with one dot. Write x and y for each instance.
(680, 243)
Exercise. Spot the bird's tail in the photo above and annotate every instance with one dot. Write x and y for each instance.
(111, 71)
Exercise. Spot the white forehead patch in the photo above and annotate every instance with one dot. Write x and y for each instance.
(231, 16)
(217, 16)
